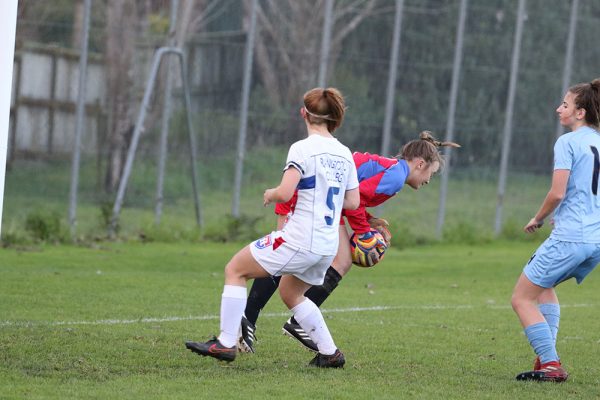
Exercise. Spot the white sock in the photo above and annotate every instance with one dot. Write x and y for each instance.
(233, 303)
(309, 317)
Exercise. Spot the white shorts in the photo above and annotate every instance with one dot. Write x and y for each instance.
(279, 258)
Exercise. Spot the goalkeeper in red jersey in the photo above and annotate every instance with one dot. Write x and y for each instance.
(380, 178)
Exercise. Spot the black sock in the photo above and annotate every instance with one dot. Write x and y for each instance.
(260, 293)
(318, 294)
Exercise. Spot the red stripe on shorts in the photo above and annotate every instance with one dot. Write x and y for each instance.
(278, 242)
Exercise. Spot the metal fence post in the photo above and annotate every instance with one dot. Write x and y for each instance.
(391, 86)
(456, 67)
(325, 43)
(241, 149)
(166, 117)
(566, 78)
(80, 117)
(510, 103)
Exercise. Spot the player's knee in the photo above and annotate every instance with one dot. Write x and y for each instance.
(516, 302)
(232, 271)
(291, 300)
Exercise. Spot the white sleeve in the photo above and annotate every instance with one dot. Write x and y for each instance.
(352, 178)
(353, 175)
(295, 159)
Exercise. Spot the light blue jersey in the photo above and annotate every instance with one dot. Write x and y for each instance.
(573, 248)
(577, 218)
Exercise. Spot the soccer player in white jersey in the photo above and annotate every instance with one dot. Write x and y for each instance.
(323, 172)
(380, 179)
(573, 248)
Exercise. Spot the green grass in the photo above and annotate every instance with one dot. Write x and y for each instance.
(109, 321)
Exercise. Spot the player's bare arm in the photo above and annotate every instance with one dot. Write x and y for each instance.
(352, 199)
(286, 188)
(557, 191)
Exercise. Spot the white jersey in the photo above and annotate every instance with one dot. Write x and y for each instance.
(327, 171)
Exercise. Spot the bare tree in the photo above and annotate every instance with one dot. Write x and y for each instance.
(197, 14)
(120, 43)
(77, 24)
(288, 45)
(289, 39)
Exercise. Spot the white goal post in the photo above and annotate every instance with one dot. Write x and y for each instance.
(8, 24)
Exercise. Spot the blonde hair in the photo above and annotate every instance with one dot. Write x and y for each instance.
(426, 147)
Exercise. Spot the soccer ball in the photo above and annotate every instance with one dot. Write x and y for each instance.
(367, 252)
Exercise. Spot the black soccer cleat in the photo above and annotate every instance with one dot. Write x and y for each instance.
(335, 360)
(247, 336)
(213, 348)
(295, 331)
(549, 372)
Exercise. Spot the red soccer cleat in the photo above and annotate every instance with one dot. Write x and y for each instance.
(548, 372)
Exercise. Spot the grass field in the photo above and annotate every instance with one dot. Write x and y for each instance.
(431, 322)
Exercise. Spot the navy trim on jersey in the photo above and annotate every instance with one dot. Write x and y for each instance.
(295, 165)
(307, 183)
(596, 170)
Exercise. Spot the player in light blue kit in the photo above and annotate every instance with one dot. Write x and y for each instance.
(323, 171)
(573, 248)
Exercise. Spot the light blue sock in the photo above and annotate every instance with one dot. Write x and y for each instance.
(551, 312)
(540, 338)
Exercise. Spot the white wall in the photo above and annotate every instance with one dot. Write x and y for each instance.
(32, 94)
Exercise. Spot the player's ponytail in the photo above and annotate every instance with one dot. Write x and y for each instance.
(426, 147)
(325, 106)
(428, 136)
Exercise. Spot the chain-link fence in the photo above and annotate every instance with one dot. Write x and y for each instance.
(286, 60)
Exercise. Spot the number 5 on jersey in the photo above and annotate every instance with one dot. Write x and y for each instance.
(330, 193)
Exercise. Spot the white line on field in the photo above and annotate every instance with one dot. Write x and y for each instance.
(281, 314)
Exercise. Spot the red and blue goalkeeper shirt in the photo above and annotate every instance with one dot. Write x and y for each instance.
(379, 179)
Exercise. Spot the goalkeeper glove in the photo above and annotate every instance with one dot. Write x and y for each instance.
(381, 226)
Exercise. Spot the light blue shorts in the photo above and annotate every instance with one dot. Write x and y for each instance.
(556, 261)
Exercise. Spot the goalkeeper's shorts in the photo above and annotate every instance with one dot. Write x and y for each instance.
(279, 258)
